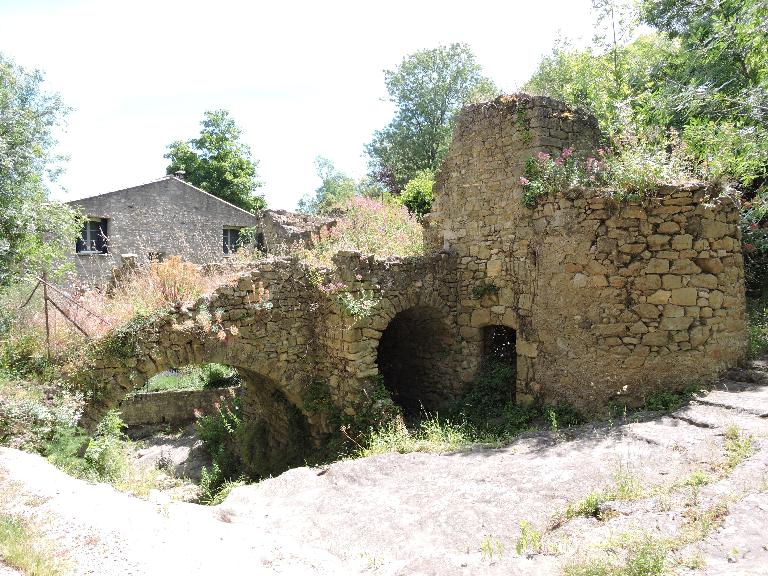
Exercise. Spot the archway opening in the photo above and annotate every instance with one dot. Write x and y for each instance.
(412, 360)
(500, 357)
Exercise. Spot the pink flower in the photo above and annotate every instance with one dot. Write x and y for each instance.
(524, 181)
(567, 152)
(542, 156)
(197, 412)
(601, 151)
(358, 277)
(558, 161)
(748, 246)
(753, 226)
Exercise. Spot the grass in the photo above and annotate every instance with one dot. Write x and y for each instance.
(738, 447)
(22, 547)
(192, 378)
(646, 556)
(432, 434)
(624, 485)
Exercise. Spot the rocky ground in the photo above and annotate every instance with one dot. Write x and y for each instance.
(689, 490)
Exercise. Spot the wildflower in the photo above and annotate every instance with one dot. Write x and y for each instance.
(542, 156)
(234, 330)
(221, 335)
(217, 405)
(748, 246)
(567, 152)
(358, 277)
(197, 412)
(753, 226)
(558, 161)
(601, 151)
(524, 181)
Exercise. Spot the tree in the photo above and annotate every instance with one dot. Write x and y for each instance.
(428, 89)
(34, 232)
(336, 188)
(218, 162)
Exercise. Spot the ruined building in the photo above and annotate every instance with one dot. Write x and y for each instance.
(591, 299)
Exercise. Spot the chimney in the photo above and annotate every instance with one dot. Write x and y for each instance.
(179, 174)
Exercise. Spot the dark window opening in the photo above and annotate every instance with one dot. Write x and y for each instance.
(260, 245)
(500, 355)
(412, 360)
(231, 240)
(93, 237)
(156, 256)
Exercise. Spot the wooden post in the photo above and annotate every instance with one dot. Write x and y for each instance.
(47, 324)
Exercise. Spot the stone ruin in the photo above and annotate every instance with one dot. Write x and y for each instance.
(592, 300)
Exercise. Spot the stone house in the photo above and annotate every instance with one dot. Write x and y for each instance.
(172, 217)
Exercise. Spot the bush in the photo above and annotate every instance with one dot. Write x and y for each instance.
(220, 434)
(384, 228)
(417, 194)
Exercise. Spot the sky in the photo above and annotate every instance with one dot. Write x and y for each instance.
(301, 79)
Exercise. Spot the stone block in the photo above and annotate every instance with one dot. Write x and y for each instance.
(673, 324)
(659, 297)
(684, 266)
(648, 282)
(657, 266)
(684, 296)
(703, 281)
(671, 281)
(710, 265)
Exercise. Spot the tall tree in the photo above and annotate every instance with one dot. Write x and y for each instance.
(34, 232)
(428, 88)
(336, 187)
(218, 162)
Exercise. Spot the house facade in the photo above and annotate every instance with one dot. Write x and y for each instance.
(151, 221)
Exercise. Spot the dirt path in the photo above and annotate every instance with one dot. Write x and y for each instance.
(697, 481)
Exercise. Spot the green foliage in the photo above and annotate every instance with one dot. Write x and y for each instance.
(646, 557)
(218, 162)
(194, 378)
(529, 540)
(432, 434)
(336, 189)
(738, 447)
(489, 406)
(757, 326)
(22, 548)
(483, 288)
(665, 400)
(491, 548)
(369, 226)
(106, 457)
(359, 305)
(428, 88)
(417, 194)
(35, 233)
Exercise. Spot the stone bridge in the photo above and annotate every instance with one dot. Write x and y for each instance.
(592, 299)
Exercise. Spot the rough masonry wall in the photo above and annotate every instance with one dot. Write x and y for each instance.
(168, 216)
(578, 274)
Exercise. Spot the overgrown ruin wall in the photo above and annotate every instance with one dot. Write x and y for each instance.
(607, 300)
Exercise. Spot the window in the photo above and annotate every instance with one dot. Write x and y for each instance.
(93, 237)
(231, 240)
(260, 245)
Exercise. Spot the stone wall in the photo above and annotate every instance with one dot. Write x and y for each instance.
(284, 231)
(172, 407)
(167, 217)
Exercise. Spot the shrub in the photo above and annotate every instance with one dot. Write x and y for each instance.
(384, 228)
(220, 435)
(417, 194)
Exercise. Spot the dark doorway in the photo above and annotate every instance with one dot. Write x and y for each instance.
(500, 354)
(412, 357)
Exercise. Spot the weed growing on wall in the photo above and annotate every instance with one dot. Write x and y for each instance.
(635, 168)
(359, 305)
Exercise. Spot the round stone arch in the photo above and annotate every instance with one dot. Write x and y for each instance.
(413, 346)
(276, 433)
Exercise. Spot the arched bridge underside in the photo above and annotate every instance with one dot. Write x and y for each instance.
(313, 348)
